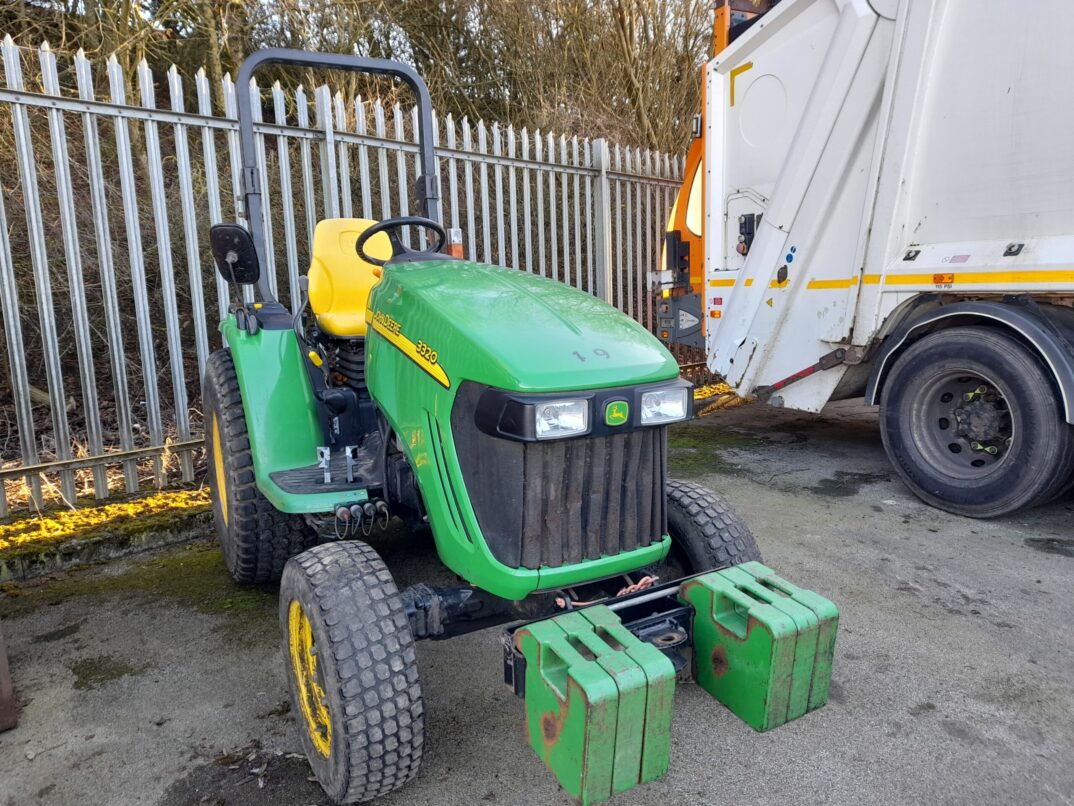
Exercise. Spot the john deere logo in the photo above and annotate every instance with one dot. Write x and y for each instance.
(617, 412)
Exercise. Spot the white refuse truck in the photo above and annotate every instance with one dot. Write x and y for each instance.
(880, 202)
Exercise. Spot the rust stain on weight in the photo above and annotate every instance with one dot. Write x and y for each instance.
(719, 660)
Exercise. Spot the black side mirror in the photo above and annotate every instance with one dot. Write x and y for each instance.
(234, 253)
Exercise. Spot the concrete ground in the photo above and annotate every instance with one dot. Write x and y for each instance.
(157, 681)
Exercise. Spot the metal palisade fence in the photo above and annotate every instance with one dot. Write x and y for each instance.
(110, 300)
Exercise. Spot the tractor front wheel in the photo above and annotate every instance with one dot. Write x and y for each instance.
(353, 671)
(706, 534)
(257, 539)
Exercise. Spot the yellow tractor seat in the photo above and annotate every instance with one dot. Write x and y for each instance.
(339, 280)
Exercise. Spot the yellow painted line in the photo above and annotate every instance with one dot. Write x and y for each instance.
(410, 350)
(749, 282)
(735, 73)
(982, 277)
(778, 284)
(721, 283)
(870, 279)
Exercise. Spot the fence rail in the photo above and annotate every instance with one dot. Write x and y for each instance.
(108, 185)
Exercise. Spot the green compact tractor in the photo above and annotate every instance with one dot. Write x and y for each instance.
(523, 422)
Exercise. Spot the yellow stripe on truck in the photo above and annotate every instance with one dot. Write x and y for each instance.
(850, 282)
(981, 277)
(735, 73)
(833, 283)
(934, 278)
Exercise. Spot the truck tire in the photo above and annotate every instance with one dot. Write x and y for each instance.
(257, 539)
(972, 423)
(352, 670)
(706, 533)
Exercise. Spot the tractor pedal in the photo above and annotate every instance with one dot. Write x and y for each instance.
(351, 453)
(762, 647)
(598, 702)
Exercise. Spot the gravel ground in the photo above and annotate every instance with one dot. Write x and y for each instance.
(157, 681)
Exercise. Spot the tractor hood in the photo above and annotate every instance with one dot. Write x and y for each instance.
(512, 330)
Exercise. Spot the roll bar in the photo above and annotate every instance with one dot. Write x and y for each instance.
(427, 191)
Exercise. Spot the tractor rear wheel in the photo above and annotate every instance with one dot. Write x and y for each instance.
(257, 539)
(706, 534)
(353, 671)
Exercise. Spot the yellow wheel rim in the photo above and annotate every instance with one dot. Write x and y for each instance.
(218, 465)
(311, 697)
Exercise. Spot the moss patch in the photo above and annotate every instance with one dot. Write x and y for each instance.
(192, 575)
(167, 509)
(91, 673)
(696, 449)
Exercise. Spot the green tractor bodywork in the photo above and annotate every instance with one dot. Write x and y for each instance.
(280, 411)
(436, 325)
(526, 423)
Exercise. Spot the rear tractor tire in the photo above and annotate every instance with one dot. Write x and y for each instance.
(257, 539)
(352, 670)
(706, 534)
(973, 424)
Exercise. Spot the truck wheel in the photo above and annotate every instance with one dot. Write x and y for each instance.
(972, 423)
(257, 539)
(353, 671)
(706, 533)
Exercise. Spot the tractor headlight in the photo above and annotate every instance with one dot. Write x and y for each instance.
(661, 406)
(554, 419)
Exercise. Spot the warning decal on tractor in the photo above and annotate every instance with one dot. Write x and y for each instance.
(420, 353)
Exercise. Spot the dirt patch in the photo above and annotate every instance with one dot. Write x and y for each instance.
(1062, 546)
(247, 777)
(845, 484)
(58, 634)
(91, 673)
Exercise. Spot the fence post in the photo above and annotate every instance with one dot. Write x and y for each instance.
(9, 711)
(322, 103)
(602, 219)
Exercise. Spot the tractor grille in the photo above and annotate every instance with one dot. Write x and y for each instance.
(565, 501)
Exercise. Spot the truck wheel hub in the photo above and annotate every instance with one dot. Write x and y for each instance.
(963, 424)
(984, 420)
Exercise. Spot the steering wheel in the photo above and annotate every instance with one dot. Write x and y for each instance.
(400, 252)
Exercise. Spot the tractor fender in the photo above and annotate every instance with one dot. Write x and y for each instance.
(1048, 329)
